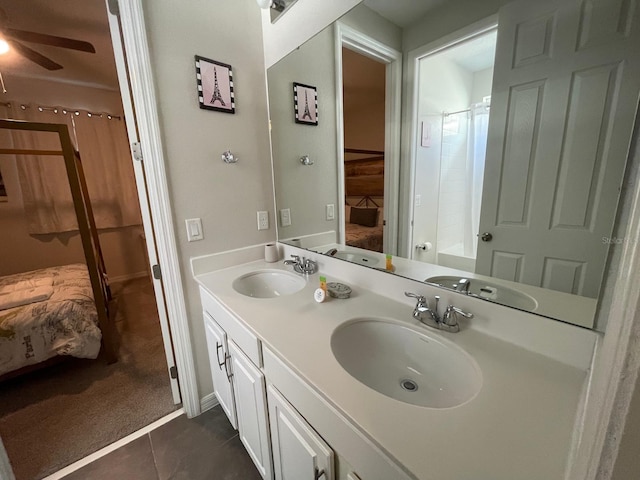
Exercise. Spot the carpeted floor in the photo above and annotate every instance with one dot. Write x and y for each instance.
(53, 417)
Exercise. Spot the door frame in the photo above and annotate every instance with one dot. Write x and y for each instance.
(138, 169)
(144, 115)
(410, 121)
(346, 36)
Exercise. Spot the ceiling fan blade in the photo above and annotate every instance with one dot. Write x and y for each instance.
(34, 56)
(63, 42)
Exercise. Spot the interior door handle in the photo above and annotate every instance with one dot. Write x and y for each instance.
(486, 237)
(218, 348)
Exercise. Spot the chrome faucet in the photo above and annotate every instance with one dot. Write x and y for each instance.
(302, 265)
(462, 285)
(430, 317)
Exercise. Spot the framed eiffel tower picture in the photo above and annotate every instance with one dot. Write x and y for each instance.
(305, 101)
(215, 85)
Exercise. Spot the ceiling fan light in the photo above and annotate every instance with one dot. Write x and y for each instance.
(264, 4)
(4, 46)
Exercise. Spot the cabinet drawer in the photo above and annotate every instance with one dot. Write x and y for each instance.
(236, 331)
(366, 457)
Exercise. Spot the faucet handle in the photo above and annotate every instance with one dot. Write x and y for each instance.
(451, 313)
(422, 300)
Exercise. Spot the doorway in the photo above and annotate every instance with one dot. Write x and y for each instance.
(89, 396)
(368, 178)
(363, 83)
(453, 105)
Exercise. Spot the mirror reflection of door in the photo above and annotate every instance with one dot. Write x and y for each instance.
(453, 117)
(564, 99)
(364, 87)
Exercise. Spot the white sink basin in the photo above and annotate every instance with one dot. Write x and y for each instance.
(491, 291)
(359, 258)
(268, 284)
(406, 364)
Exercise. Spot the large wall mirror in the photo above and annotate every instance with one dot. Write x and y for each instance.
(505, 178)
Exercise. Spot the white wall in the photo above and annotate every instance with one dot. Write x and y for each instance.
(481, 87)
(122, 247)
(447, 18)
(225, 196)
(626, 464)
(303, 20)
(444, 87)
(305, 190)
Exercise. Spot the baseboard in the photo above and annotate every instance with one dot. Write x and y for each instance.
(129, 276)
(208, 402)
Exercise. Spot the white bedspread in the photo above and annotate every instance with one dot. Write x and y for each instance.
(64, 324)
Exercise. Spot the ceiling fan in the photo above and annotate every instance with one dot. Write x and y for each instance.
(15, 37)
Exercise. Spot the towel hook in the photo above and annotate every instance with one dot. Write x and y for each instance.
(228, 157)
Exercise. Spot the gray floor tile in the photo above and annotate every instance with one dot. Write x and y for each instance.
(131, 461)
(200, 448)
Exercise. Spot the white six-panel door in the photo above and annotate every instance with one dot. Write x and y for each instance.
(564, 98)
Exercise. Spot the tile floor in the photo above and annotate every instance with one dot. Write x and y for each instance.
(205, 447)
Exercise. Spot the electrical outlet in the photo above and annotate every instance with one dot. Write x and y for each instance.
(331, 211)
(263, 220)
(194, 229)
(285, 217)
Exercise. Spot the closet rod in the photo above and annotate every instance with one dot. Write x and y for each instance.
(18, 151)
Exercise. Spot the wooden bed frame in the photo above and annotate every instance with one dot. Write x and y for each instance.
(105, 304)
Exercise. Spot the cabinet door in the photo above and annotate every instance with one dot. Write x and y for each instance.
(299, 453)
(219, 362)
(251, 408)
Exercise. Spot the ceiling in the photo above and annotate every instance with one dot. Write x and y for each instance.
(474, 55)
(403, 12)
(79, 19)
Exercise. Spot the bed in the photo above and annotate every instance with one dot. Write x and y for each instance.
(66, 323)
(369, 238)
(364, 197)
(76, 314)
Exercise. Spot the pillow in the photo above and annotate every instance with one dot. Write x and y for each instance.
(367, 217)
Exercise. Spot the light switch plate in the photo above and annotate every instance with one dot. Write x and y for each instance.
(194, 229)
(331, 211)
(263, 220)
(285, 217)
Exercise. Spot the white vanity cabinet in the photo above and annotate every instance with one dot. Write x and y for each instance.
(251, 409)
(299, 453)
(238, 383)
(219, 361)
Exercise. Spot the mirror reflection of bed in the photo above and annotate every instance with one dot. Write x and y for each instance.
(364, 202)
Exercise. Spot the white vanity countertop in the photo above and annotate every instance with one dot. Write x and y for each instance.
(519, 426)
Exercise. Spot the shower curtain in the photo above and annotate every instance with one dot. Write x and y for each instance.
(103, 147)
(476, 150)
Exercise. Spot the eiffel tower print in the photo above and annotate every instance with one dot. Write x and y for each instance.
(307, 113)
(216, 90)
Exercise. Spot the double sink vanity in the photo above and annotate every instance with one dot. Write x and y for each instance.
(360, 388)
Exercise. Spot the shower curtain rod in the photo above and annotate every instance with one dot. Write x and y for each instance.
(64, 110)
(446, 114)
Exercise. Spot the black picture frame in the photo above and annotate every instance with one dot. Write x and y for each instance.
(215, 85)
(305, 102)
